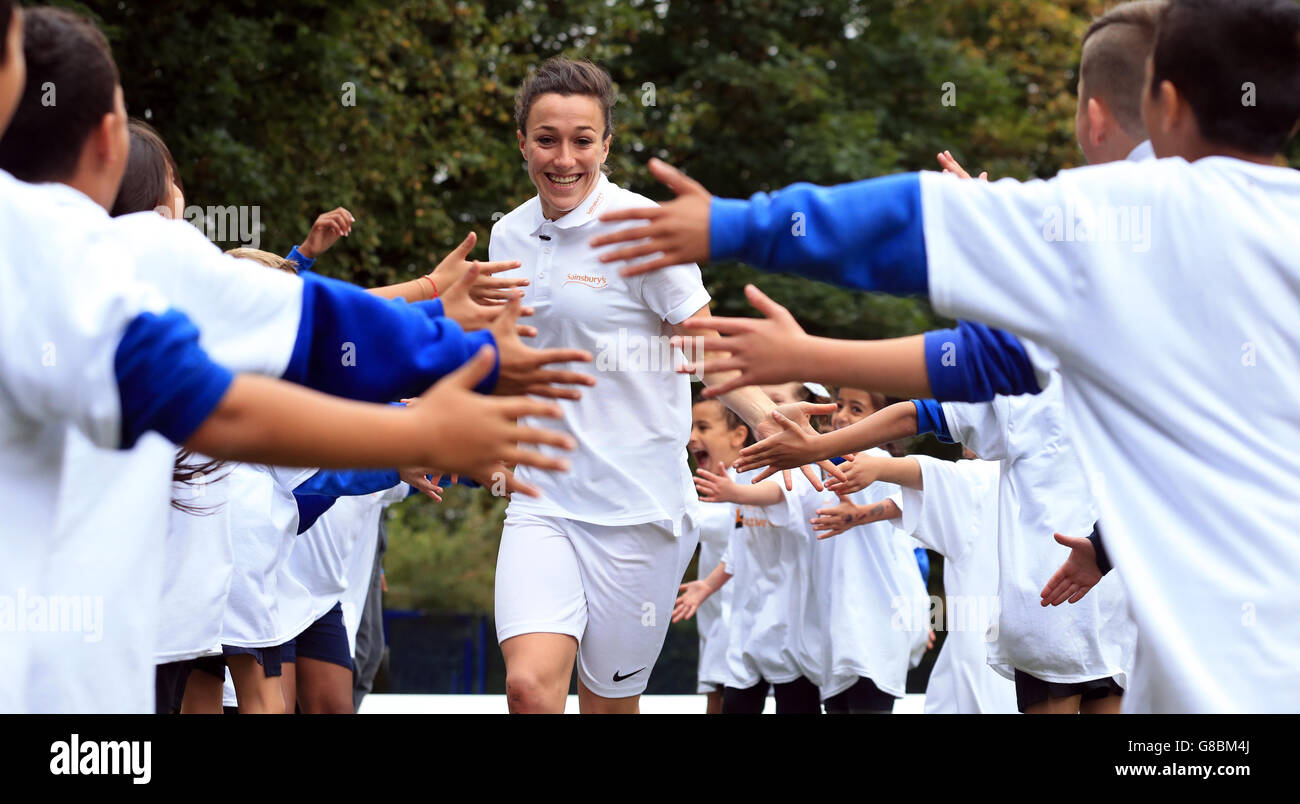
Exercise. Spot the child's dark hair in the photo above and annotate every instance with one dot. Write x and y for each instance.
(150, 172)
(1114, 61)
(1210, 50)
(44, 141)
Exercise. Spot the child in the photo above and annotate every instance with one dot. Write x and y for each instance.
(769, 641)
(860, 580)
(717, 435)
(1139, 379)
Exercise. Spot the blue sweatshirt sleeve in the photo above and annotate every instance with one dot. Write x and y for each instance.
(865, 235)
(310, 509)
(165, 381)
(930, 419)
(295, 256)
(923, 564)
(348, 482)
(357, 345)
(974, 363)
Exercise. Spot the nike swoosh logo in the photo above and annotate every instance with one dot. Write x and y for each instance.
(618, 678)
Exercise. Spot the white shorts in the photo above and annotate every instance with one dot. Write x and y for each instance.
(610, 587)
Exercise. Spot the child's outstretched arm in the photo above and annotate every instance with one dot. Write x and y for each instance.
(864, 234)
(847, 514)
(864, 470)
(719, 487)
(259, 420)
(694, 593)
(970, 363)
(795, 447)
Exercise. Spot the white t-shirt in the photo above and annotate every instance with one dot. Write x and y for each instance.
(1182, 368)
(632, 427)
(863, 579)
(956, 515)
(111, 536)
(1042, 491)
(770, 560)
(67, 300)
(362, 563)
(324, 556)
(198, 563)
(717, 521)
(266, 606)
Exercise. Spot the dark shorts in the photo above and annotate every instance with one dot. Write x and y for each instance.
(326, 640)
(1031, 690)
(862, 698)
(269, 658)
(169, 686)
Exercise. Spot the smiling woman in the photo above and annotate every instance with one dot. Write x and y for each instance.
(590, 570)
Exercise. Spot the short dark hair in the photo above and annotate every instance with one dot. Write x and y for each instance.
(1114, 60)
(1211, 49)
(150, 171)
(566, 77)
(6, 15)
(43, 143)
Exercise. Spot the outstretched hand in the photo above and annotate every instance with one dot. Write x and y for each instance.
(674, 233)
(1076, 576)
(950, 165)
(486, 288)
(766, 351)
(327, 229)
(794, 418)
(495, 437)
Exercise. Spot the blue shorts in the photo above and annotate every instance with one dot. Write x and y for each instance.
(269, 658)
(325, 640)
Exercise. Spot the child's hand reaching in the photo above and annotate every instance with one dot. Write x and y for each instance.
(327, 229)
(859, 473)
(693, 595)
(950, 165)
(1076, 576)
(716, 487)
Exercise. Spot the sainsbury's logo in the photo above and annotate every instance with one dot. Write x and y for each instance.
(591, 281)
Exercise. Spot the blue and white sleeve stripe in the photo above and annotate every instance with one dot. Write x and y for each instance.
(866, 235)
(348, 482)
(974, 363)
(930, 419)
(357, 345)
(166, 382)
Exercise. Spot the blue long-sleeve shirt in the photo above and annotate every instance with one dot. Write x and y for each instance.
(868, 235)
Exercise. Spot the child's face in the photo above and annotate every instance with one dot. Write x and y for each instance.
(711, 440)
(782, 394)
(852, 405)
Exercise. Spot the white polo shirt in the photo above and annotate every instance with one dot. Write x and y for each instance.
(632, 427)
(1181, 357)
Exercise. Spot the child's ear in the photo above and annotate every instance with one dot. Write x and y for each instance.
(522, 152)
(1099, 121)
